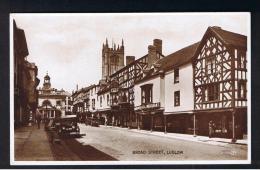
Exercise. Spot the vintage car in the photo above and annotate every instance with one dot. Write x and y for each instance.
(68, 125)
(92, 122)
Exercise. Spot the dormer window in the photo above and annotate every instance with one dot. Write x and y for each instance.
(176, 75)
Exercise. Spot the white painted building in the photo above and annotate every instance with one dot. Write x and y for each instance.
(93, 99)
(52, 102)
(165, 93)
(185, 88)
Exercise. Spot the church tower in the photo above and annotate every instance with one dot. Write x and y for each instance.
(112, 58)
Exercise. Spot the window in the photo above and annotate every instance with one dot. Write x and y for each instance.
(125, 76)
(176, 75)
(58, 102)
(46, 102)
(114, 60)
(211, 92)
(100, 101)
(242, 89)
(52, 113)
(210, 65)
(124, 97)
(70, 102)
(241, 60)
(115, 101)
(93, 104)
(147, 93)
(177, 98)
(108, 99)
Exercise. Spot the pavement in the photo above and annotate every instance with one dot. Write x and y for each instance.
(139, 145)
(187, 137)
(32, 144)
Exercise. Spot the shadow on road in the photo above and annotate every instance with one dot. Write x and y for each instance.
(87, 152)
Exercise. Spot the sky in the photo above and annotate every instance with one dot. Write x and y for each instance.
(69, 46)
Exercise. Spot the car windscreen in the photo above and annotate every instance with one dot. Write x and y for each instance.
(68, 121)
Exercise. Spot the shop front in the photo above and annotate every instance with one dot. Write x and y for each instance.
(223, 123)
(180, 123)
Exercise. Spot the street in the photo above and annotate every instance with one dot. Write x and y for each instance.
(110, 143)
(114, 143)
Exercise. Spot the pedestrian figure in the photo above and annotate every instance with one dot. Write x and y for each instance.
(38, 118)
(211, 128)
(113, 120)
(105, 121)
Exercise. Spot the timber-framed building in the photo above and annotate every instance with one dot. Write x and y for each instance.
(181, 92)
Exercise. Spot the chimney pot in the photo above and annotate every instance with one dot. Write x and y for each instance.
(130, 59)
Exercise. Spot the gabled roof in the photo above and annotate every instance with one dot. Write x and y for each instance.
(229, 38)
(83, 90)
(178, 58)
(170, 61)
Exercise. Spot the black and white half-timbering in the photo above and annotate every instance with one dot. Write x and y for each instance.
(184, 91)
(149, 87)
(220, 83)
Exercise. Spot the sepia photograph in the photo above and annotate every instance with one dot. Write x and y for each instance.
(130, 88)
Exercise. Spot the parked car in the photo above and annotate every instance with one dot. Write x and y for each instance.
(92, 122)
(68, 125)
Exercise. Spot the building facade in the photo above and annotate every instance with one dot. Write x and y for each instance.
(181, 92)
(81, 103)
(53, 103)
(122, 84)
(93, 99)
(25, 80)
(220, 83)
(164, 94)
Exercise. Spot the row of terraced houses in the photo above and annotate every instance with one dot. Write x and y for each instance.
(181, 92)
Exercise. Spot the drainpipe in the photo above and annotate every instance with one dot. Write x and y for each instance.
(138, 119)
(165, 124)
(233, 127)
(151, 122)
(194, 125)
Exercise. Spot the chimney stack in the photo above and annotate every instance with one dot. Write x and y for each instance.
(158, 45)
(151, 55)
(130, 59)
